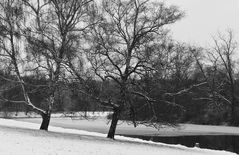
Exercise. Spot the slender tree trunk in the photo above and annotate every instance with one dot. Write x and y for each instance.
(233, 119)
(233, 100)
(114, 121)
(232, 83)
(45, 121)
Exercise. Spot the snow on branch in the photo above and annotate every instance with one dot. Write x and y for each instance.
(186, 90)
(34, 108)
(143, 95)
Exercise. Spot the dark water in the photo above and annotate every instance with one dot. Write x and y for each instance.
(222, 142)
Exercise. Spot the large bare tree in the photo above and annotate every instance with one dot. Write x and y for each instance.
(54, 36)
(12, 18)
(119, 47)
(44, 33)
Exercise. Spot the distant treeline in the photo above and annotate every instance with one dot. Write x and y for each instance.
(190, 107)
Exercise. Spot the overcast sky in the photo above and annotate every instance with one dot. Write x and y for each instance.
(205, 18)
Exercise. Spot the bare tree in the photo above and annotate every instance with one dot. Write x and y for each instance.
(12, 18)
(44, 33)
(222, 64)
(119, 47)
(224, 50)
(54, 37)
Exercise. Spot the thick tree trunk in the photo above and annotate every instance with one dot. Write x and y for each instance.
(45, 121)
(114, 122)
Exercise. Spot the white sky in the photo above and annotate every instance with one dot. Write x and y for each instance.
(204, 18)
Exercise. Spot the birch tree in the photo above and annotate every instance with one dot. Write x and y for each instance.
(12, 19)
(54, 35)
(44, 33)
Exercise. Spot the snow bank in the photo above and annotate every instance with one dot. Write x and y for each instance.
(165, 149)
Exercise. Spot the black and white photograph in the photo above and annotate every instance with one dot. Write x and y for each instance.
(119, 77)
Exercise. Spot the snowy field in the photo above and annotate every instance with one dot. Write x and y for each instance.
(102, 126)
(23, 138)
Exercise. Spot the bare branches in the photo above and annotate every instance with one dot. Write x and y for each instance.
(119, 43)
(221, 73)
(186, 90)
(143, 95)
(34, 108)
(124, 26)
(108, 104)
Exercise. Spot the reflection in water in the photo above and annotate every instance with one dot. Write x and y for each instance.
(221, 142)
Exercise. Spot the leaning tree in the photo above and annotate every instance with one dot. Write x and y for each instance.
(43, 34)
(119, 48)
(12, 21)
(54, 35)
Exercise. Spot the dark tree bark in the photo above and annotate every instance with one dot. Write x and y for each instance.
(45, 121)
(233, 106)
(114, 121)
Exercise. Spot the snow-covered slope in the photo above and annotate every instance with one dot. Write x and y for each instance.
(125, 128)
(21, 138)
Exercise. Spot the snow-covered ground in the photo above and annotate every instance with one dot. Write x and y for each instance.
(102, 126)
(23, 138)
